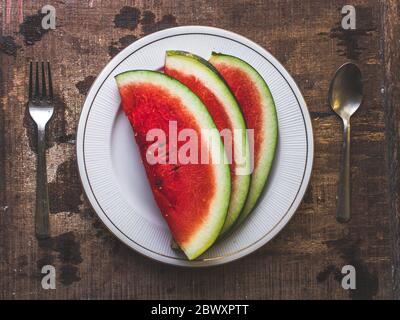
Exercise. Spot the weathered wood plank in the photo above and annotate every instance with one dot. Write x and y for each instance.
(391, 29)
(304, 260)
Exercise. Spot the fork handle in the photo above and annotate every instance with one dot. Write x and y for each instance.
(343, 205)
(42, 195)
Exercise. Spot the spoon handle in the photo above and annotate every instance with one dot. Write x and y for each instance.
(343, 205)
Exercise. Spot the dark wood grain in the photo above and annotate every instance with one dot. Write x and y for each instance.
(391, 29)
(305, 259)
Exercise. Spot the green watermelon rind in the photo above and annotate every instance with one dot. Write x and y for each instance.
(260, 175)
(194, 63)
(206, 235)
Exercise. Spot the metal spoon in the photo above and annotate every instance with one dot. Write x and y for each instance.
(345, 96)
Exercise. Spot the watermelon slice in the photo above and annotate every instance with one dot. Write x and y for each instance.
(205, 81)
(258, 107)
(193, 198)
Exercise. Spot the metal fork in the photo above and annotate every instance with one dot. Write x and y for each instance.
(41, 110)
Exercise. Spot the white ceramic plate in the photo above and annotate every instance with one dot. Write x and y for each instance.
(114, 178)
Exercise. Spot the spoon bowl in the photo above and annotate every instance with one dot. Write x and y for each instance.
(346, 91)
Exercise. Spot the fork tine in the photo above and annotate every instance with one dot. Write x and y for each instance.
(43, 82)
(50, 82)
(30, 80)
(36, 95)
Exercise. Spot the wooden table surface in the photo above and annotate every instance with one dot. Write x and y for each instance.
(305, 259)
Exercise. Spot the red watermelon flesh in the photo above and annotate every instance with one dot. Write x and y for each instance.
(214, 106)
(185, 193)
(249, 99)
